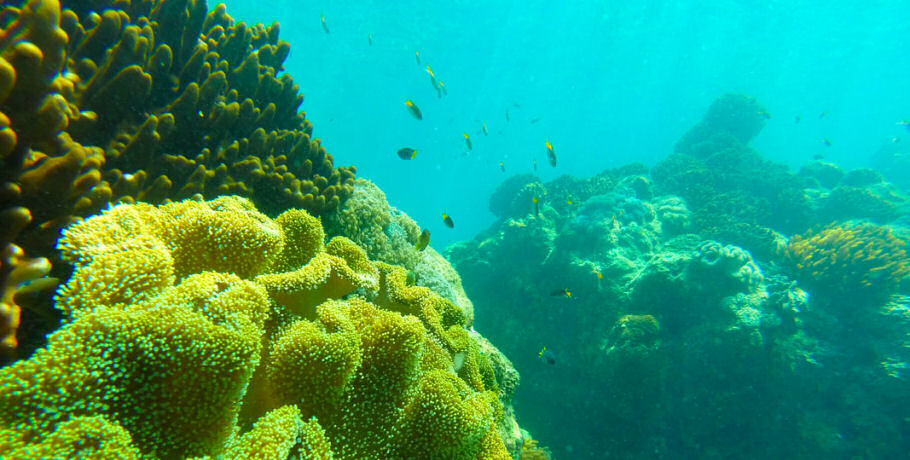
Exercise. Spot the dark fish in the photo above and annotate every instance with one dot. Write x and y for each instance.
(448, 220)
(442, 86)
(822, 115)
(535, 120)
(423, 240)
(325, 26)
(537, 208)
(417, 56)
(547, 355)
(407, 153)
(764, 114)
(535, 165)
(412, 107)
(798, 118)
(818, 157)
(507, 114)
(467, 141)
(827, 142)
(483, 127)
(502, 166)
(551, 155)
(370, 38)
(516, 105)
(562, 293)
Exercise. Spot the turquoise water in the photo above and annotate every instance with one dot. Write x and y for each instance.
(610, 82)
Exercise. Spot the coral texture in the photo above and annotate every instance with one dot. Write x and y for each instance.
(157, 100)
(182, 341)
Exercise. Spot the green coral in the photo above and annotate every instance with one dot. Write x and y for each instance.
(193, 359)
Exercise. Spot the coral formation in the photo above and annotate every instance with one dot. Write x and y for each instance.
(389, 235)
(202, 355)
(671, 303)
(201, 108)
(861, 262)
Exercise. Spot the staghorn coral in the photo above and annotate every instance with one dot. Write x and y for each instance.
(191, 359)
(147, 100)
(850, 262)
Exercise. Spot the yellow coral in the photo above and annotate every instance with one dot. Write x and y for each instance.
(272, 437)
(178, 366)
(850, 260)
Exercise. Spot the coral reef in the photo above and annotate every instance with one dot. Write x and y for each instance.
(670, 309)
(183, 339)
(389, 235)
(731, 117)
(850, 262)
(104, 102)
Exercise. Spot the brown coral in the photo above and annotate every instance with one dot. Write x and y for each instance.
(152, 100)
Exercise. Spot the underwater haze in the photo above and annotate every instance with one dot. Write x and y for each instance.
(608, 82)
(513, 230)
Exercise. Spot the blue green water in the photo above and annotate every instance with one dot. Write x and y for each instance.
(610, 82)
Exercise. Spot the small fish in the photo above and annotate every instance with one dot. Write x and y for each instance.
(569, 202)
(822, 115)
(325, 26)
(483, 127)
(535, 165)
(407, 153)
(547, 355)
(764, 114)
(507, 114)
(797, 119)
(370, 38)
(597, 273)
(423, 240)
(442, 86)
(448, 220)
(562, 293)
(818, 157)
(536, 206)
(502, 166)
(467, 141)
(895, 140)
(827, 142)
(535, 120)
(412, 107)
(905, 124)
(417, 56)
(516, 105)
(551, 154)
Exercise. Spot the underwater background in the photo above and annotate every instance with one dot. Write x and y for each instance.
(610, 83)
(521, 230)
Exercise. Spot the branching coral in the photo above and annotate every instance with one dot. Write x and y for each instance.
(165, 336)
(850, 261)
(155, 100)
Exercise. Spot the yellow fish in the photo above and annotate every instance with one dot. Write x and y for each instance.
(423, 240)
(551, 154)
(415, 111)
(325, 26)
(467, 141)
